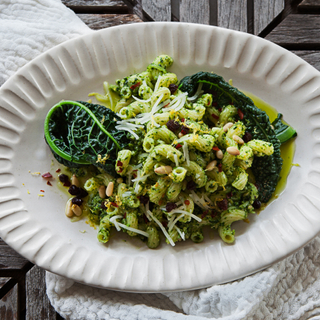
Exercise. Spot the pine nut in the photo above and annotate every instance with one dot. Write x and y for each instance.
(163, 170)
(233, 151)
(227, 126)
(109, 190)
(75, 181)
(180, 135)
(219, 154)
(76, 210)
(119, 180)
(102, 191)
(68, 210)
(211, 165)
(237, 139)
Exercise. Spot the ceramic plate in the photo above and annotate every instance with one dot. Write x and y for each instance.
(33, 222)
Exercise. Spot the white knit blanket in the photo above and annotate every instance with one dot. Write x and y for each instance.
(288, 290)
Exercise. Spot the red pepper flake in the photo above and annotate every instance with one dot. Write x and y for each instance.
(229, 195)
(215, 104)
(220, 167)
(220, 109)
(215, 116)
(135, 85)
(182, 119)
(145, 218)
(41, 190)
(47, 175)
(215, 149)
(240, 114)
(164, 223)
(120, 170)
(134, 175)
(49, 183)
(186, 202)
(178, 146)
(119, 164)
(166, 105)
(114, 204)
(125, 215)
(58, 170)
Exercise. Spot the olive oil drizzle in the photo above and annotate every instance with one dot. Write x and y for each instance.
(287, 149)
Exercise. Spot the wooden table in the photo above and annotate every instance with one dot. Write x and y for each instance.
(293, 24)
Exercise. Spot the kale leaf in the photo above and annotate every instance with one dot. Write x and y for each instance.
(265, 169)
(81, 133)
(283, 131)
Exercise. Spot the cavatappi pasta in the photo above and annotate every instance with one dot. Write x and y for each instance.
(186, 167)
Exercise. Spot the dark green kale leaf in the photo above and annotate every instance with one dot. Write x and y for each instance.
(79, 133)
(265, 169)
(283, 131)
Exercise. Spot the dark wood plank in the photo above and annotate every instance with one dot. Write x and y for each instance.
(3, 281)
(195, 11)
(100, 21)
(265, 12)
(99, 6)
(37, 303)
(296, 31)
(10, 259)
(309, 6)
(157, 10)
(232, 14)
(312, 57)
(9, 305)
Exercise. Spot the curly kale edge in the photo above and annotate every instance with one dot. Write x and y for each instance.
(265, 169)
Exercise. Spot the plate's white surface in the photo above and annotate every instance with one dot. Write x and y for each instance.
(36, 226)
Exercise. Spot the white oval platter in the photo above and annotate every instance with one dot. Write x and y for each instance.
(36, 226)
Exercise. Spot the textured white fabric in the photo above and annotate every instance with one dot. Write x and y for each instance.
(30, 27)
(288, 290)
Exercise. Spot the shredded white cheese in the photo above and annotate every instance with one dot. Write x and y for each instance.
(182, 235)
(143, 178)
(115, 222)
(186, 153)
(172, 224)
(134, 230)
(199, 201)
(187, 213)
(196, 95)
(140, 100)
(176, 160)
(162, 228)
(156, 87)
(129, 130)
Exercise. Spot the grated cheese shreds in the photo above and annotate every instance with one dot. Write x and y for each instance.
(127, 194)
(175, 221)
(146, 234)
(115, 222)
(199, 201)
(196, 95)
(162, 228)
(182, 235)
(140, 100)
(178, 102)
(176, 160)
(143, 178)
(186, 153)
(187, 213)
(156, 87)
(129, 130)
